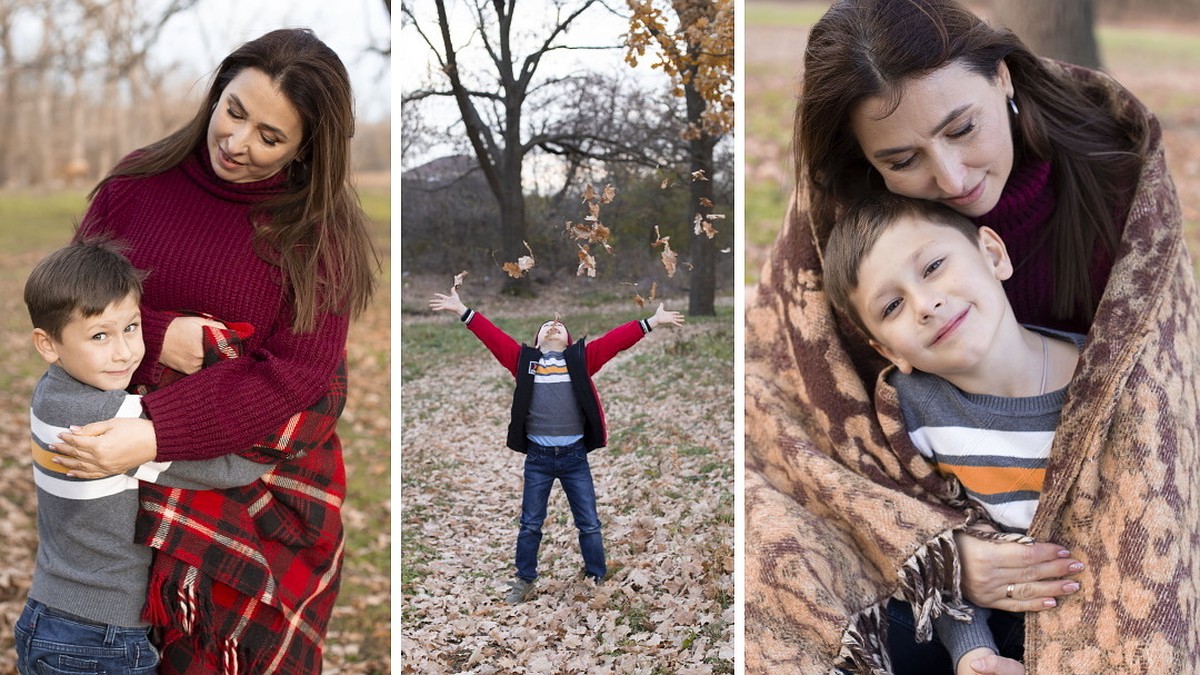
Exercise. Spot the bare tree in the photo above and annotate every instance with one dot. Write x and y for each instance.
(494, 102)
(1064, 29)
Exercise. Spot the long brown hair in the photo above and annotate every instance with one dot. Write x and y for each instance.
(315, 230)
(865, 48)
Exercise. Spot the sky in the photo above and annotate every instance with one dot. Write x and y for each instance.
(198, 39)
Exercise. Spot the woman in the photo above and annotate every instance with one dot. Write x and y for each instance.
(921, 98)
(244, 214)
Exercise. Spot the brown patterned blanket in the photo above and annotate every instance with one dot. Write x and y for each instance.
(842, 513)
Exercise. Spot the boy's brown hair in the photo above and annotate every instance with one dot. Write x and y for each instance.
(856, 232)
(80, 279)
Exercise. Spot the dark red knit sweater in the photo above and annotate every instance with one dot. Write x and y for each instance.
(1020, 217)
(191, 231)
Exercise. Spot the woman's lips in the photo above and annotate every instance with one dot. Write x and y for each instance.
(951, 326)
(969, 198)
(227, 161)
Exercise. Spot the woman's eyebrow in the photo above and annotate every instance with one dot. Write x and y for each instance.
(937, 129)
(261, 125)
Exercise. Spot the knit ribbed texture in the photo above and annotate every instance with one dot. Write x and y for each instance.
(192, 232)
(1020, 218)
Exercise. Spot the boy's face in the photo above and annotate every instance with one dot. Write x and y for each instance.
(102, 350)
(932, 298)
(552, 336)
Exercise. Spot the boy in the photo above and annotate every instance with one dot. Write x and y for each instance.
(980, 393)
(90, 579)
(556, 420)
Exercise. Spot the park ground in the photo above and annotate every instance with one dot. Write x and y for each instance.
(359, 641)
(664, 486)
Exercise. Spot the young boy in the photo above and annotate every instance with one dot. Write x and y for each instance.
(90, 580)
(556, 420)
(980, 393)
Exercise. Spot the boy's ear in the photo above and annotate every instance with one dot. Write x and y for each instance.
(901, 363)
(44, 344)
(993, 249)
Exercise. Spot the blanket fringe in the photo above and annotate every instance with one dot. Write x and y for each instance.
(864, 645)
(929, 581)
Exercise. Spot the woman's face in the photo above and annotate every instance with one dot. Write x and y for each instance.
(949, 140)
(254, 131)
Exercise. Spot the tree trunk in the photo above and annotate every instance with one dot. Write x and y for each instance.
(512, 231)
(702, 292)
(1063, 30)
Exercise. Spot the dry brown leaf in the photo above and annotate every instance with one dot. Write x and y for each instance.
(706, 202)
(458, 279)
(669, 257)
(698, 175)
(639, 300)
(609, 194)
(666, 182)
(589, 193)
(653, 289)
(521, 266)
(587, 263)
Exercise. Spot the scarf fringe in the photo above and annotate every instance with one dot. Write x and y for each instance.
(175, 606)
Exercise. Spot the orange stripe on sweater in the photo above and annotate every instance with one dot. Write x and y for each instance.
(991, 480)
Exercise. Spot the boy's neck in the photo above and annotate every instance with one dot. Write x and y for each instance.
(1021, 363)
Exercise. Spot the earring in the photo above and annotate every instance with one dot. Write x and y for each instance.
(1012, 105)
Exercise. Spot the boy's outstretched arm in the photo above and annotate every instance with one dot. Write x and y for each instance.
(501, 345)
(603, 348)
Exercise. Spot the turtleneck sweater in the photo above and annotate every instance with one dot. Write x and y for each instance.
(192, 232)
(1021, 218)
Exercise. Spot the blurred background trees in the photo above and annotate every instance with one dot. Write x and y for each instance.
(80, 86)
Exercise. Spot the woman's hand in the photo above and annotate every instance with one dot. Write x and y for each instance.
(448, 303)
(1035, 573)
(984, 661)
(665, 316)
(107, 448)
(183, 345)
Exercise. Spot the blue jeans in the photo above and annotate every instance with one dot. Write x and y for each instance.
(930, 658)
(569, 465)
(50, 642)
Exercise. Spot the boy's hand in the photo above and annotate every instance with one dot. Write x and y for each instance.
(983, 661)
(447, 303)
(665, 316)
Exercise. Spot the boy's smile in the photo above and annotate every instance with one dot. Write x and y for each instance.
(102, 350)
(932, 298)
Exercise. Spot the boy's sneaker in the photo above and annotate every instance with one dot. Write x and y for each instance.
(519, 592)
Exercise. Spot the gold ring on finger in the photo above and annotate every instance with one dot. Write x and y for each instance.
(1008, 592)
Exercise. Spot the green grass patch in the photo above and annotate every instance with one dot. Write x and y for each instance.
(1147, 47)
(783, 14)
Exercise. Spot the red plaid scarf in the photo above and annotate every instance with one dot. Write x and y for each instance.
(244, 579)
